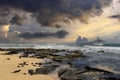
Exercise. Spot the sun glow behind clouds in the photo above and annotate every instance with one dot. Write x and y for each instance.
(102, 26)
(99, 27)
(5, 29)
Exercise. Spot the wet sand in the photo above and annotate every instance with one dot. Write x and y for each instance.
(8, 64)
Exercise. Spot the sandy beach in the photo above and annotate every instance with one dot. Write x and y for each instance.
(8, 64)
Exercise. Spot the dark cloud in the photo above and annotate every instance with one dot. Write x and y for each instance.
(44, 18)
(58, 34)
(17, 19)
(48, 12)
(115, 16)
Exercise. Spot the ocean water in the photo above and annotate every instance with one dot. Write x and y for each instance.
(109, 58)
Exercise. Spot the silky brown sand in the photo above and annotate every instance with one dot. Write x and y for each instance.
(8, 66)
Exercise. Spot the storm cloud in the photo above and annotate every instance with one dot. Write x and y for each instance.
(58, 34)
(47, 18)
(48, 12)
(115, 16)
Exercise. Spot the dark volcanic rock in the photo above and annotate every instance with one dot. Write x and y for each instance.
(40, 55)
(8, 59)
(61, 72)
(97, 69)
(71, 74)
(57, 60)
(30, 71)
(40, 71)
(88, 73)
(16, 71)
(75, 54)
(46, 69)
(11, 53)
(68, 75)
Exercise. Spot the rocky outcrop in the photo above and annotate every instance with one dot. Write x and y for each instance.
(88, 73)
(44, 70)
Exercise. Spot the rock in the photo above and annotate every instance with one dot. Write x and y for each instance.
(21, 54)
(24, 73)
(57, 60)
(31, 55)
(75, 55)
(110, 77)
(8, 59)
(61, 72)
(97, 69)
(40, 71)
(16, 71)
(68, 75)
(38, 63)
(46, 69)
(11, 53)
(30, 71)
(101, 51)
(18, 66)
(71, 74)
(34, 65)
(22, 64)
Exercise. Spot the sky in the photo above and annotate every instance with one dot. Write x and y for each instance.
(59, 21)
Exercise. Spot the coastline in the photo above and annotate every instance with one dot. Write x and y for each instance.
(57, 64)
(8, 66)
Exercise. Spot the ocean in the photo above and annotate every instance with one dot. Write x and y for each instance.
(71, 46)
(109, 58)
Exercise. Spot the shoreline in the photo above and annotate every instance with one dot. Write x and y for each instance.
(51, 64)
(8, 64)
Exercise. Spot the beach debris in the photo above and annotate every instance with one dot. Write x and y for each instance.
(16, 71)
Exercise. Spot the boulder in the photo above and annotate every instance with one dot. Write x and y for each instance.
(68, 75)
(62, 71)
(45, 69)
(30, 71)
(11, 53)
